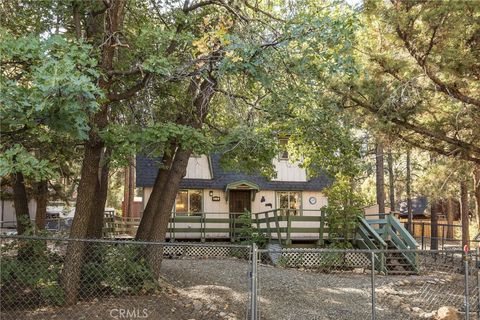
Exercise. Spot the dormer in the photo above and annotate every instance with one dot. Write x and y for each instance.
(199, 168)
(287, 170)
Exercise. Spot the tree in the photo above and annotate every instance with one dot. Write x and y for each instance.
(40, 85)
(226, 61)
(344, 206)
(413, 80)
(391, 180)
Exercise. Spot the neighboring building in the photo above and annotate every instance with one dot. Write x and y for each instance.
(208, 190)
(8, 219)
(420, 208)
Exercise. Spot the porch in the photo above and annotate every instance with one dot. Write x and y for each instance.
(284, 226)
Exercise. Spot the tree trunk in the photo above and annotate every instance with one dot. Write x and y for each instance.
(95, 230)
(42, 201)
(128, 190)
(380, 180)
(159, 187)
(434, 226)
(159, 226)
(450, 231)
(464, 213)
(476, 190)
(98, 28)
(20, 201)
(84, 209)
(391, 182)
(409, 193)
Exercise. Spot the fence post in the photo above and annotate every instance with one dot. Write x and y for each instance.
(253, 283)
(267, 220)
(373, 284)
(289, 228)
(467, 300)
(203, 226)
(423, 234)
(322, 226)
(277, 225)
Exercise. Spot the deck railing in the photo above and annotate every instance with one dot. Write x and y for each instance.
(198, 225)
(284, 224)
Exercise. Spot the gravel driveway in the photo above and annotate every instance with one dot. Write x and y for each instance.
(284, 293)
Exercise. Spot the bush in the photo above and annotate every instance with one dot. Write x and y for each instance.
(248, 233)
(116, 269)
(30, 273)
(31, 277)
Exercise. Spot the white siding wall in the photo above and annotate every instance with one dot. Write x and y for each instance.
(219, 209)
(287, 171)
(198, 168)
(258, 206)
(314, 211)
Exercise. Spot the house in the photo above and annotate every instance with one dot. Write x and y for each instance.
(211, 199)
(420, 208)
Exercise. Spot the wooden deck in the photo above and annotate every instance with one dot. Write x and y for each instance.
(279, 225)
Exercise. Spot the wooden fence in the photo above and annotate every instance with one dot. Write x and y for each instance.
(423, 228)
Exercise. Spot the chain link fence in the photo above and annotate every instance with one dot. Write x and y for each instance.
(197, 281)
(358, 284)
(226, 281)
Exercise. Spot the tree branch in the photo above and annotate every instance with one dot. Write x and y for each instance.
(439, 136)
(130, 92)
(187, 8)
(448, 89)
(436, 149)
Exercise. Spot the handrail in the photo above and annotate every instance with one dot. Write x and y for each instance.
(405, 235)
(372, 231)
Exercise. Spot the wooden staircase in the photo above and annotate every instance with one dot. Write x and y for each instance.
(397, 263)
(389, 236)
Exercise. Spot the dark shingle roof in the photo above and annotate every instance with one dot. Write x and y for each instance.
(419, 207)
(146, 171)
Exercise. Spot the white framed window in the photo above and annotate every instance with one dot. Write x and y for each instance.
(189, 202)
(289, 201)
(283, 155)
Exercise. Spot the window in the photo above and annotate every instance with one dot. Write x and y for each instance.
(283, 149)
(291, 200)
(188, 202)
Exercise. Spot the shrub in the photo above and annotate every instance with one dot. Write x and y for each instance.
(116, 269)
(248, 233)
(31, 277)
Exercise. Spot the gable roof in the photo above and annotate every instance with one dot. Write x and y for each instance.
(146, 172)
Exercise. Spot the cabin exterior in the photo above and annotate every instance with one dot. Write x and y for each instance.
(211, 200)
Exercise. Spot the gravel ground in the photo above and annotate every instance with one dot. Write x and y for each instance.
(284, 293)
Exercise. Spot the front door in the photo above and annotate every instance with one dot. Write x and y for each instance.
(239, 202)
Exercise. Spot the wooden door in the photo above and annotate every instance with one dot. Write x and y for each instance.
(239, 201)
